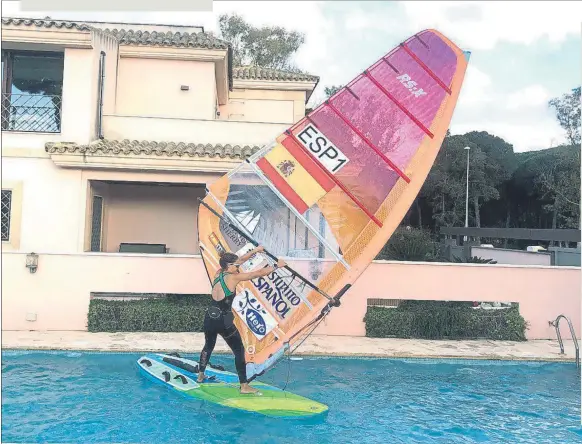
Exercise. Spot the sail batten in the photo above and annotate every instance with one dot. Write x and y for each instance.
(426, 68)
(399, 105)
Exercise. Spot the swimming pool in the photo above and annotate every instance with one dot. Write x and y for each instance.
(101, 397)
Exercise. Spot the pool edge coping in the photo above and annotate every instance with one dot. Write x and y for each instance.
(127, 350)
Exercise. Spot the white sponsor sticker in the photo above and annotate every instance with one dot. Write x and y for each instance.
(245, 250)
(320, 146)
(258, 260)
(250, 310)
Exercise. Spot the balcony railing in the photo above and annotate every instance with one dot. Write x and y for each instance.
(32, 113)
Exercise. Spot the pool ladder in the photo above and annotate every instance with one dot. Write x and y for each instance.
(556, 324)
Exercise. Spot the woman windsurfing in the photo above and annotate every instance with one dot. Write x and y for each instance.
(219, 318)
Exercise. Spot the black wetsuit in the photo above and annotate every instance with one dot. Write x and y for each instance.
(219, 320)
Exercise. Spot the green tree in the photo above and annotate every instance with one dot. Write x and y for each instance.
(491, 166)
(567, 110)
(409, 244)
(559, 181)
(331, 90)
(234, 30)
(549, 183)
(528, 204)
(267, 47)
(444, 188)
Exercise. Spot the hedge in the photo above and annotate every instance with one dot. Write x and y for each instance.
(444, 320)
(173, 313)
(412, 319)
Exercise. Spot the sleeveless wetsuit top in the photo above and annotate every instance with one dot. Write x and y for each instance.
(226, 303)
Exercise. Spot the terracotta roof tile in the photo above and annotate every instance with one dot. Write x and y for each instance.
(168, 149)
(45, 23)
(257, 73)
(129, 36)
(174, 39)
(177, 39)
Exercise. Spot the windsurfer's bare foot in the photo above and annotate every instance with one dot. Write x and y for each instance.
(200, 377)
(246, 389)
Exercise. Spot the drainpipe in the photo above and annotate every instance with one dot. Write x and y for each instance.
(101, 87)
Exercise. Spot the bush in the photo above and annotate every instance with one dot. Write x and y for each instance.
(471, 260)
(432, 305)
(409, 244)
(444, 320)
(173, 313)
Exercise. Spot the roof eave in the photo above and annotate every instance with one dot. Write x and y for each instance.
(310, 93)
(64, 37)
(230, 56)
(289, 85)
(149, 155)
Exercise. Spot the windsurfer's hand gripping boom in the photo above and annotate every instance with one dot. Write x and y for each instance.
(250, 254)
(241, 277)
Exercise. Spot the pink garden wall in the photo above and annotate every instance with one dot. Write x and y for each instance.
(57, 295)
(542, 292)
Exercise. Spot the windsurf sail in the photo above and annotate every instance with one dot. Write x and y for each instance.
(327, 194)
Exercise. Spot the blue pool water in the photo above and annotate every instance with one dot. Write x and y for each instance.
(99, 397)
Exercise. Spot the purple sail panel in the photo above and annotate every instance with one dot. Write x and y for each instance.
(381, 121)
(376, 111)
(437, 55)
(366, 175)
(381, 118)
(412, 86)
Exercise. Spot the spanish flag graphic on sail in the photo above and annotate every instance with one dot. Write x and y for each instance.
(295, 175)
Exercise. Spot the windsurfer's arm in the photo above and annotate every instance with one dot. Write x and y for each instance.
(240, 277)
(250, 254)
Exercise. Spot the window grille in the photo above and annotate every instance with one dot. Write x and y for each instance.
(6, 204)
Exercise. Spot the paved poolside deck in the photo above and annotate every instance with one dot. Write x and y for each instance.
(319, 345)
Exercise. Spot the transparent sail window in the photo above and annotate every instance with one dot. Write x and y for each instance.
(258, 211)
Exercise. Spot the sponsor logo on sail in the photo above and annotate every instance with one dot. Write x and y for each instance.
(251, 311)
(256, 322)
(410, 84)
(216, 243)
(278, 293)
(230, 233)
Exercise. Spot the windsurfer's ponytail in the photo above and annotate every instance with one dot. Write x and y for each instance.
(227, 259)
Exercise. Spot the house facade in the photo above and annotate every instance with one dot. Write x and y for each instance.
(109, 137)
(110, 133)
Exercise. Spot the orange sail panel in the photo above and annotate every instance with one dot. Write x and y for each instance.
(328, 193)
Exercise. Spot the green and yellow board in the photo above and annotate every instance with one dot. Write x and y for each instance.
(222, 388)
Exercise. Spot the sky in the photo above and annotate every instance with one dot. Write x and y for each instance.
(523, 53)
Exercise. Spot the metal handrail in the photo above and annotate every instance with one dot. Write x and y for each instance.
(556, 324)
